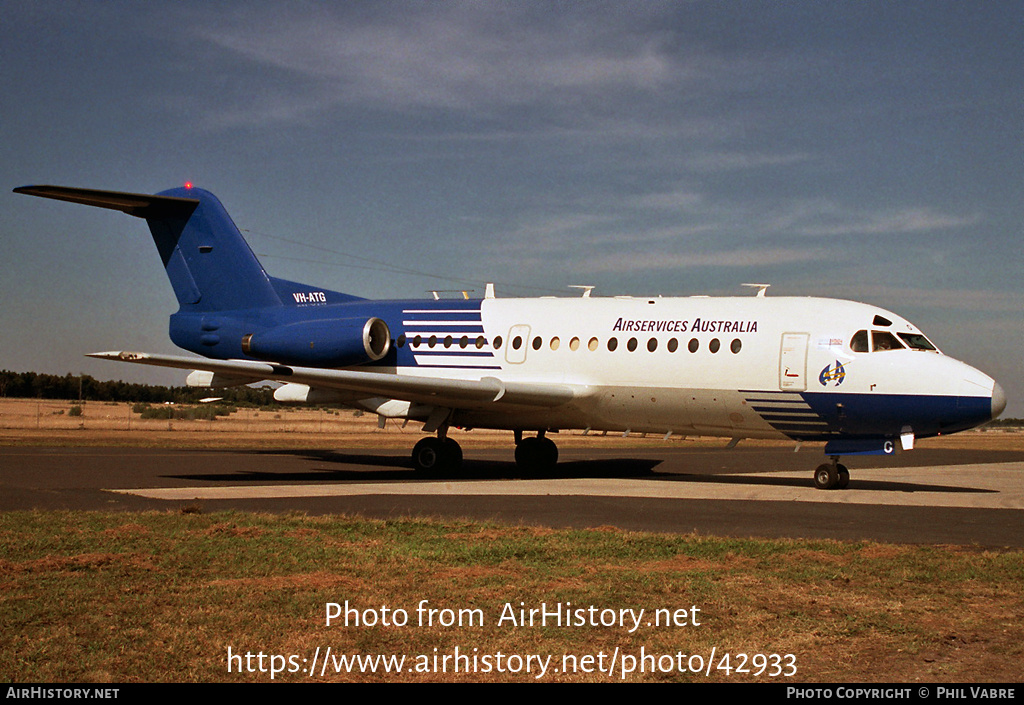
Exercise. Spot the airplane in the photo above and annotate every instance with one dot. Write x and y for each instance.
(857, 377)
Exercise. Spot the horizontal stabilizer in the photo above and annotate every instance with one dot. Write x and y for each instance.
(140, 205)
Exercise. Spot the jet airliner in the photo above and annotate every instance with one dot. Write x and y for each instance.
(856, 377)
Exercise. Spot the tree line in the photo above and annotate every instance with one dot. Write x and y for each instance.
(34, 385)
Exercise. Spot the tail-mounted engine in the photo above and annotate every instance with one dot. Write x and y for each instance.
(338, 342)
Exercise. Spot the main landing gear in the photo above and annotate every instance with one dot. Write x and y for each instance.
(437, 455)
(831, 476)
(536, 454)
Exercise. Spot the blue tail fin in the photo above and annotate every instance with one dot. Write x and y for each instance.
(210, 265)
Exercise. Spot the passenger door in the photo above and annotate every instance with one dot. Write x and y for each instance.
(793, 362)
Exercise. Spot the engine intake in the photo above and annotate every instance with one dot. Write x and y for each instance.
(336, 342)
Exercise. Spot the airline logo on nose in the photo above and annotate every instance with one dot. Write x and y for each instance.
(832, 374)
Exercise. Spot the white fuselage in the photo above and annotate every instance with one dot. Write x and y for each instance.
(738, 366)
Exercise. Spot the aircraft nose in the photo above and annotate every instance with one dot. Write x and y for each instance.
(998, 400)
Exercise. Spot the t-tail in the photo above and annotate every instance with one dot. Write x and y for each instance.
(209, 264)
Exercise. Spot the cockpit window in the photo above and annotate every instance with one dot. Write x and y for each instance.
(916, 341)
(881, 321)
(883, 340)
(859, 341)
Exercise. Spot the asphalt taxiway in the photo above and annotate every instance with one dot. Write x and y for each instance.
(941, 496)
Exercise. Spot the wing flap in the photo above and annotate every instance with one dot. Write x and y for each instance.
(438, 391)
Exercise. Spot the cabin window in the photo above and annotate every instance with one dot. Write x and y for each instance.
(631, 345)
(714, 345)
(612, 344)
(883, 340)
(417, 341)
(433, 341)
(517, 342)
(401, 341)
(555, 342)
(480, 342)
(464, 341)
(447, 341)
(592, 345)
(916, 341)
(537, 342)
(497, 342)
(859, 341)
(736, 346)
(652, 345)
(693, 345)
(574, 344)
(673, 345)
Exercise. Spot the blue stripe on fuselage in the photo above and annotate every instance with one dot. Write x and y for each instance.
(885, 415)
(821, 416)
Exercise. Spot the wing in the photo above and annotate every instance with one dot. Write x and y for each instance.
(487, 392)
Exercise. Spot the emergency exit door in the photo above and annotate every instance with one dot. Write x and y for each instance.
(518, 340)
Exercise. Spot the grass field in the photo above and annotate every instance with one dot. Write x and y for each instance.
(163, 597)
(98, 597)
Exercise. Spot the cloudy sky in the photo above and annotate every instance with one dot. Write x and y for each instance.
(863, 150)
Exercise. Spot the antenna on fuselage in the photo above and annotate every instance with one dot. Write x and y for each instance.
(761, 289)
(437, 293)
(586, 289)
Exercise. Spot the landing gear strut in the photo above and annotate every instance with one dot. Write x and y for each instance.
(829, 476)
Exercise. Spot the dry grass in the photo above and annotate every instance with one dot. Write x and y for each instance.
(162, 597)
(49, 422)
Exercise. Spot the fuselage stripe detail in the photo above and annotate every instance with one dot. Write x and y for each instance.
(443, 333)
(458, 367)
(787, 417)
(426, 324)
(789, 413)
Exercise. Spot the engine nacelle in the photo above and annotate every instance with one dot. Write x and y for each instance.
(337, 342)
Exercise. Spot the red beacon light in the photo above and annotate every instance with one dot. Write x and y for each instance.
(188, 184)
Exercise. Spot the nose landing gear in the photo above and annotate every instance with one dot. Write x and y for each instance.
(831, 476)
